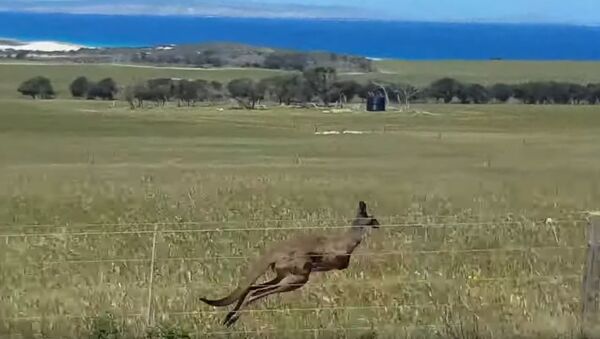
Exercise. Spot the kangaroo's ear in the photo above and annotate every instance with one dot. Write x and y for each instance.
(362, 209)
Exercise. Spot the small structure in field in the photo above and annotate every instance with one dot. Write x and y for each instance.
(376, 101)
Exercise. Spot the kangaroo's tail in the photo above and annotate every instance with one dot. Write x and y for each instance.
(253, 274)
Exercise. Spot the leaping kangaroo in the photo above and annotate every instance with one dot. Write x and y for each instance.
(294, 260)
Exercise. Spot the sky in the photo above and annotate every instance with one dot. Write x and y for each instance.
(575, 12)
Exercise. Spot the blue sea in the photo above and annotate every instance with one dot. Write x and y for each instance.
(377, 39)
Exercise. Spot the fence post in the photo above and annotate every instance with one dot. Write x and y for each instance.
(591, 279)
(149, 315)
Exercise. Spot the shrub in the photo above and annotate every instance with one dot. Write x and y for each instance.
(446, 89)
(38, 87)
(79, 87)
(501, 92)
(246, 91)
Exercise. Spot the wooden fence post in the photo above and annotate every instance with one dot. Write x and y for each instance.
(591, 280)
(149, 313)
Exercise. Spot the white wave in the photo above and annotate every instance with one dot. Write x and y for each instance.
(41, 46)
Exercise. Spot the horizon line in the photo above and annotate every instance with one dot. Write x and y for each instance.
(314, 18)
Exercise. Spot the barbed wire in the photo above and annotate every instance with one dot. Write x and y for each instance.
(264, 229)
(267, 220)
(356, 254)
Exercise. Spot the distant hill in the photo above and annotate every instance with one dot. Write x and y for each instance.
(207, 55)
(10, 42)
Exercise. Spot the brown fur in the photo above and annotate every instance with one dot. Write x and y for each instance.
(294, 260)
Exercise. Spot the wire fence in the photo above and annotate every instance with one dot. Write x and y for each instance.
(156, 229)
(423, 219)
(356, 254)
(162, 228)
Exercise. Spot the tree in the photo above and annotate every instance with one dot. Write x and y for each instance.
(278, 88)
(533, 93)
(164, 84)
(578, 93)
(501, 92)
(292, 88)
(446, 89)
(129, 96)
(109, 87)
(143, 92)
(593, 96)
(558, 92)
(202, 89)
(246, 91)
(186, 92)
(474, 93)
(524, 92)
(320, 80)
(79, 87)
(105, 89)
(404, 93)
(38, 87)
(215, 90)
(344, 91)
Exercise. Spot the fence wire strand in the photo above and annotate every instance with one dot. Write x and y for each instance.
(547, 279)
(267, 310)
(265, 229)
(134, 223)
(356, 254)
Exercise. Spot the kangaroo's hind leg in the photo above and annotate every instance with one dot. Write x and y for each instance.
(289, 283)
(255, 288)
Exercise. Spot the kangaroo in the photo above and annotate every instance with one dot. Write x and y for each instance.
(293, 261)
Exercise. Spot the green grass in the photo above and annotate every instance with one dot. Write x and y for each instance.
(487, 72)
(66, 163)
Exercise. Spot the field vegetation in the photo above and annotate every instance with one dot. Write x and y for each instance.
(92, 189)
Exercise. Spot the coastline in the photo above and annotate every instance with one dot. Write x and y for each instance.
(375, 39)
(39, 45)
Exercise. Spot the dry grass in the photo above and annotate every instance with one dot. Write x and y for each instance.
(487, 72)
(508, 167)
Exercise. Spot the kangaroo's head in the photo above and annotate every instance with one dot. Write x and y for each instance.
(363, 219)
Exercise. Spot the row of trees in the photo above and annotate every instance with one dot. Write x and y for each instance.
(186, 92)
(552, 92)
(322, 84)
(319, 83)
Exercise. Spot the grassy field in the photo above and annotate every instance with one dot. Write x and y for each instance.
(475, 183)
(468, 188)
(488, 72)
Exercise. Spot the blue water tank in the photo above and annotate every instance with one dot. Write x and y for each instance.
(376, 103)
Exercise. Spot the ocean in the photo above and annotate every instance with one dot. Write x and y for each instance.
(376, 39)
